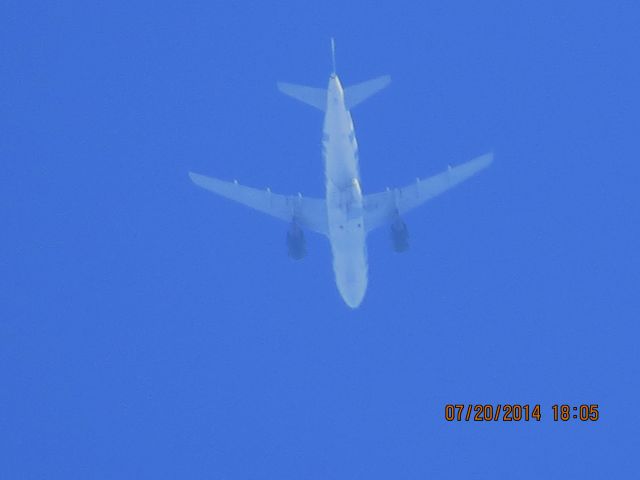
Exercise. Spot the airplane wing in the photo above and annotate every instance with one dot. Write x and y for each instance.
(381, 208)
(310, 213)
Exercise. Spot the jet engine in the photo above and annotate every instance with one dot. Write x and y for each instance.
(296, 245)
(399, 236)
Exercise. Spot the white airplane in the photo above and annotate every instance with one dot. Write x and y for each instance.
(345, 215)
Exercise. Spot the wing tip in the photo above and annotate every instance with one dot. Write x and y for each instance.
(486, 159)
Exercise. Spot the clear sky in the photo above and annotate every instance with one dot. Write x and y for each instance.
(149, 329)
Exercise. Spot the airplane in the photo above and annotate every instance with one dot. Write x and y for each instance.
(346, 215)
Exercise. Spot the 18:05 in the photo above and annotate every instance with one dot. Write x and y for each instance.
(583, 412)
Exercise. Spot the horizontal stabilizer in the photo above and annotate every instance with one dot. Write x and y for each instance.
(356, 94)
(316, 97)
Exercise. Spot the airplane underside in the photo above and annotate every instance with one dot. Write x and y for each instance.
(345, 215)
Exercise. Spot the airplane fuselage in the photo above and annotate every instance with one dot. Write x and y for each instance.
(344, 198)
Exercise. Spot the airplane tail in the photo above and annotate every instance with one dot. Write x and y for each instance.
(358, 93)
(317, 97)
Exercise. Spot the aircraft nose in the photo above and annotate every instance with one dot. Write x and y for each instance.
(351, 277)
(353, 294)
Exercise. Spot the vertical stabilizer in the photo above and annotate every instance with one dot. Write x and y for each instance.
(333, 56)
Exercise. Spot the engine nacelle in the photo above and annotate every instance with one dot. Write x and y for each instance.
(399, 236)
(296, 244)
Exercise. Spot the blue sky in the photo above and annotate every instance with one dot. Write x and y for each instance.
(151, 330)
